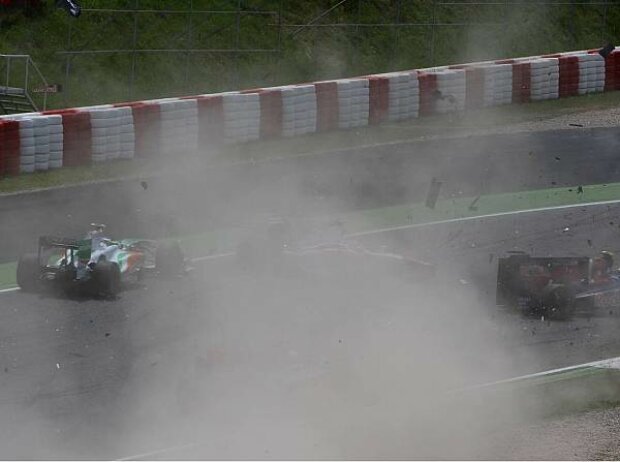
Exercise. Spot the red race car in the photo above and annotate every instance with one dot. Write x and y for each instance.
(556, 287)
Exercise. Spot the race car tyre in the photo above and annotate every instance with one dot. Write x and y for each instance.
(28, 272)
(169, 258)
(107, 279)
(559, 303)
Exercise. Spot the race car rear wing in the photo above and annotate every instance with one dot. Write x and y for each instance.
(55, 241)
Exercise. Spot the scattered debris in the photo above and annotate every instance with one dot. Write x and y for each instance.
(433, 193)
(604, 52)
(473, 206)
(565, 230)
(57, 366)
(557, 158)
(576, 125)
(71, 6)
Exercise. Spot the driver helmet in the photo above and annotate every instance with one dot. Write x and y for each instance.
(97, 229)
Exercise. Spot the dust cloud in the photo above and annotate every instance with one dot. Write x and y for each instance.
(317, 357)
(320, 358)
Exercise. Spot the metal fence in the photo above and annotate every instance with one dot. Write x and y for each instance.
(22, 86)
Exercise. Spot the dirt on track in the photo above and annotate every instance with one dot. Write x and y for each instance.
(591, 435)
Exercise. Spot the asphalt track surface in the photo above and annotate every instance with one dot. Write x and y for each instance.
(341, 181)
(252, 365)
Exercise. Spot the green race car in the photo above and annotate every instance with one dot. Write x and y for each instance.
(96, 265)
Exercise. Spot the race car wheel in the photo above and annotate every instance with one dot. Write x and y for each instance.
(559, 303)
(169, 259)
(28, 272)
(107, 279)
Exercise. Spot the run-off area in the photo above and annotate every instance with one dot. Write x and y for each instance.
(319, 358)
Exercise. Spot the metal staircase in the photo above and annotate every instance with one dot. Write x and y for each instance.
(18, 74)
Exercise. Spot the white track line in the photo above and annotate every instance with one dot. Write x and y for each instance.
(149, 455)
(212, 257)
(481, 217)
(609, 363)
(10, 289)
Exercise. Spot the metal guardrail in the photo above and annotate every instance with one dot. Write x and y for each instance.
(16, 79)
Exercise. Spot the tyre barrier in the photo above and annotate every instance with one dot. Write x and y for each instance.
(612, 70)
(475, 95)
(56, 137)
(299, 110)
(592, 73)
(10, 147)
(286, 111)
(27, 155)
(127, 134)
(146, 127)
(500, 84)
(178, 131)
(428, 93)
(41, 142)
(487, 84)
(210, 118)
(544, 79)
(451, 91)
(271, 112)
(404, 95)
(582, 72)
(177, 126)
(521, 80)
(34, 140)
(105, 122)
(568, 74)
(241, 117)
(327, 107)
(353, 103)
(76, 137)
(378, 99)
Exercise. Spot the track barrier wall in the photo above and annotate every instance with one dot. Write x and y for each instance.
(178, 126)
